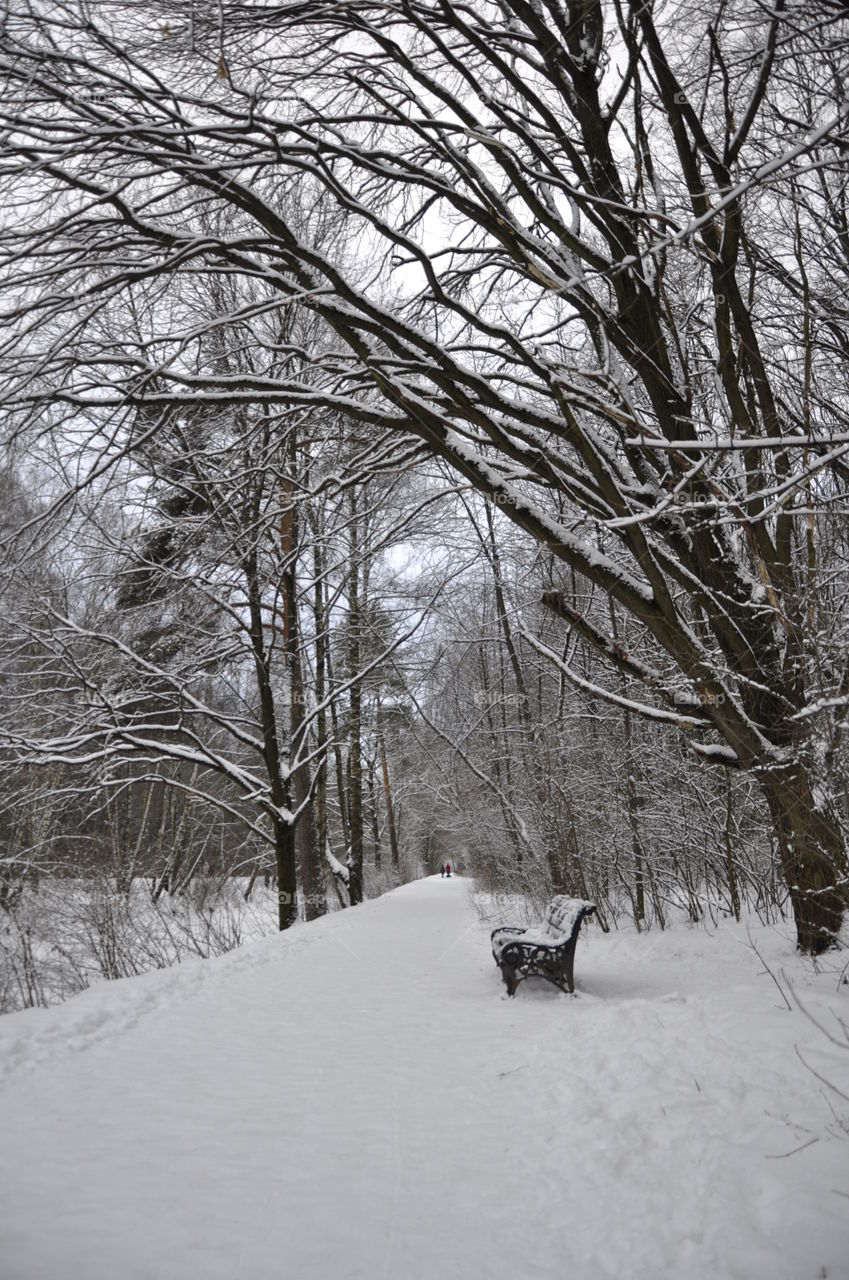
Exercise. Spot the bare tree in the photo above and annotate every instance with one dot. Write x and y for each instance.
(586, 280)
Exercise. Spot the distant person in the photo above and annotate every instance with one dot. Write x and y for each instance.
(442, 871)
(448, 870)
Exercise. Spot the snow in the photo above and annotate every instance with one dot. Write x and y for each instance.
(335, 865)
(359, 1098)
(717, 752)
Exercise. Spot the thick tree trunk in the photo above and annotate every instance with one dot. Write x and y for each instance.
(287, 874)
(813, 856)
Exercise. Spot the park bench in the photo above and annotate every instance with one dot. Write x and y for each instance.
(547, 952)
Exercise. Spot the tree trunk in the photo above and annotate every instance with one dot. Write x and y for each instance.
(729, 853)
(284, 833)
(341, 788)
(287, 874)
(310, 874)
(320, 623)
(387, 793)
(632, 800)
(375, 825)
(813, 856)
(307, 847)
(306, 834)
(355, 757)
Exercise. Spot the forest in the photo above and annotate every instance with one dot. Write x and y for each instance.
(424, 438)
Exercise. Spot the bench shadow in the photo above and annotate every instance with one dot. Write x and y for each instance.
(598, 986)
(623, 986)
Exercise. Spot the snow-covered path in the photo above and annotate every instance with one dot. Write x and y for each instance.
(359, 1099)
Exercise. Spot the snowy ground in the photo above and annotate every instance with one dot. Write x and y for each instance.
(358, 1098)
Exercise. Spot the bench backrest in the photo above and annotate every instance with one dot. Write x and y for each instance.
(562, 914)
